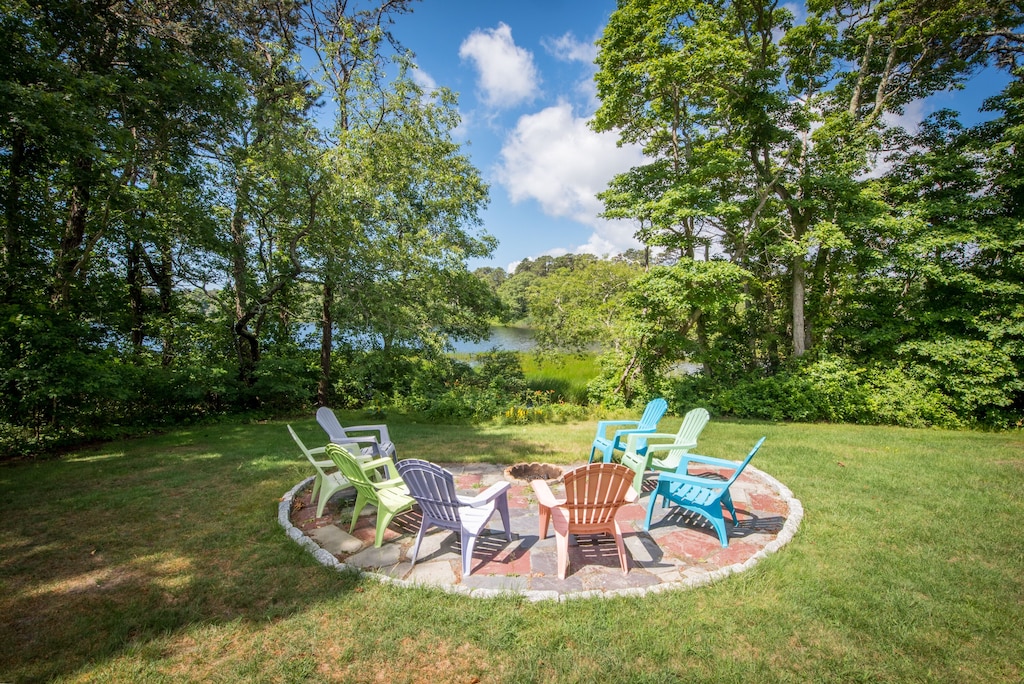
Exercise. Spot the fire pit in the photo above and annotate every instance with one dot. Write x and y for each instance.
(533, 471)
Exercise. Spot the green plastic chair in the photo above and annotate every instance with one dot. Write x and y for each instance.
(701, 495)
(326, 483)
(642, 456)
(390, 496)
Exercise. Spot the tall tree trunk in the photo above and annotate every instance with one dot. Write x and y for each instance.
(11, 250)
(69, 256)
(136, 305)
(797, 296)
(323, 389)
(247, 344)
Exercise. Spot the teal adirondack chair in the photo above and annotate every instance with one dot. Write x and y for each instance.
(665, 456)
(390, 496)
(326, 483)
(648, 422)
(702, 495)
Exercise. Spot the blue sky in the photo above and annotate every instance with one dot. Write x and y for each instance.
(524, 74)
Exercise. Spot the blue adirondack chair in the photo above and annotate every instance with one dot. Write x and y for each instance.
(433, 487)
(701, 495)
(617, 442)
(663, 456)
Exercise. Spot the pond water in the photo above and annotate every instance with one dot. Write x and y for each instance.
(505, 339)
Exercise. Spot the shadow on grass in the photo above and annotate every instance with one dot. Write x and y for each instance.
(124, 546)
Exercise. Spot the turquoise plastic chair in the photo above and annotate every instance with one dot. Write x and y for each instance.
(617, 442)
(702, 495)
(433, 487)
(666, 456)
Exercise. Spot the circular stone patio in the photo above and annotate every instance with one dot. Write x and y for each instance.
(681, 550)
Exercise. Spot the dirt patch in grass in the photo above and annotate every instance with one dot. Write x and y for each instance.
(421, 661)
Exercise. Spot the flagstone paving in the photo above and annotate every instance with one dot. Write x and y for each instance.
(680, 550)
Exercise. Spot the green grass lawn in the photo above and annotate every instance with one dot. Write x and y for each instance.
(161, 559)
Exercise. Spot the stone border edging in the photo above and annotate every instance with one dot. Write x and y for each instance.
(796, 514)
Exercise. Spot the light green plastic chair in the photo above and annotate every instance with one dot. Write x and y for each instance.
(390, 496)
(326, 483)
(642, 456)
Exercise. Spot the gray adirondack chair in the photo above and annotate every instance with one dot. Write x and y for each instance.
(433, 488)
(374, 446)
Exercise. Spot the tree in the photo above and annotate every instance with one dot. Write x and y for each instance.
(759, 144)
(575, 308)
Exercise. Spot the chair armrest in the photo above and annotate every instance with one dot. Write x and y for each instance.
(381, 430)
(660, 435)
(602, 425)
(670, 447)
(488, 495)
(387, 464)
(357, 441)
(544, 495)
(619, 434)
(676, 478)
(325, 464)
(710, 460)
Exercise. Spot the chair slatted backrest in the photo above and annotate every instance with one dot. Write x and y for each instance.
(655, 409)
(312, 459)
(693, 424)
(352, 471)
(743, 465)
(433, 487)
(594, 492)
(330, 423)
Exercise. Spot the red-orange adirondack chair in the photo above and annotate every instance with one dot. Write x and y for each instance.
(593, 495)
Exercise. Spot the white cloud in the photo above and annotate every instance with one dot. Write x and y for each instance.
(506, 73)
(555, 159)
(424, 80)
(568, 49)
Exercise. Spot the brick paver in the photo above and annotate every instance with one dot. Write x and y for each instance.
(680, 550)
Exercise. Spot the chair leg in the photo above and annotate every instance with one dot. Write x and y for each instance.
(650, 508)
(468, 542)
(502, 506)
(361, 502)
(384, 519)
(545, 519)
(621, 545)
(727, 500)
(424, 526)
(562, 544)
(316, 489)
